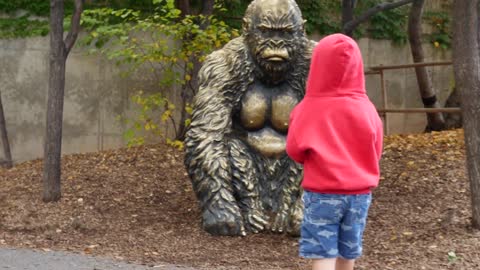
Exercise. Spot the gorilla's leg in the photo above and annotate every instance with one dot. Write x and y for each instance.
(246, 175)
(289, 176)
(210, 173)
(221, 214)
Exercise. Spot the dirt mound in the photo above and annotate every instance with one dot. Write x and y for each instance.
(137, 204)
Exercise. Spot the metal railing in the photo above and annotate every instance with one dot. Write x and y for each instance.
(380, 70)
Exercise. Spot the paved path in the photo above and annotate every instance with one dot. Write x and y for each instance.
(22, 259)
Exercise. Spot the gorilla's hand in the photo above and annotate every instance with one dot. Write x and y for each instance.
(223, 222)
(296, 218)
(255, 220)
(280, 224)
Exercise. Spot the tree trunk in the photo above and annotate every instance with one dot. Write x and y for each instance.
(183, 6)
(347, 16)
(6, 144)
(208, 7)
(53, 137)
(59, 50)
(429, 97)
(466, 60)
(453, 120)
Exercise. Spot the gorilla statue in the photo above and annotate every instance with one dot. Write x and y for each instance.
(235, 145)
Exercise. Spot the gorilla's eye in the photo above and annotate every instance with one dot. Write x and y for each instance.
(264, 29)
(282, 32)
(288, 29)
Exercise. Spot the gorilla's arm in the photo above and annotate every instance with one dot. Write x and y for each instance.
(206, 146)
(287, 214)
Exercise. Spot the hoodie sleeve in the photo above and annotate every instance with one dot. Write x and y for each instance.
(294, 150)
(379, 141)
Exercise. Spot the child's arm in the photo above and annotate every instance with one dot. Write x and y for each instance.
(294, 151)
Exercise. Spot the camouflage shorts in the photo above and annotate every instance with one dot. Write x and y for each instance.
(333, 225)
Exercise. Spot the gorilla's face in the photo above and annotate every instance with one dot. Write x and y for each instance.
(273, 31)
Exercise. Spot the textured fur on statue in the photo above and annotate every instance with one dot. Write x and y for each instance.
(241, 175)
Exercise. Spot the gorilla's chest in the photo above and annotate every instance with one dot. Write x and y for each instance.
(264, 115)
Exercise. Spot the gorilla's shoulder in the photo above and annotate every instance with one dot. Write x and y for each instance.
(310, 45)
(225, 62)
(234, 50)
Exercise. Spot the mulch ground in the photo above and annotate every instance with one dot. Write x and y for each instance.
(137, 205)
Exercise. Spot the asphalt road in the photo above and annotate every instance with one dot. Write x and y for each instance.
(22, 259)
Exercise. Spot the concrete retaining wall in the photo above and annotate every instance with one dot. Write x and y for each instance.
(96, 94)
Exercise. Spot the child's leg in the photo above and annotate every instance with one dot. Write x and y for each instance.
(344, 264)
(320, 227)
(324, 264)
(351, 231)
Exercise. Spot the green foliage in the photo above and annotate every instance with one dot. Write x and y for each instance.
(235, 11)
(147, 122)
(441, 36)
(146, 107)
(159, 42)
(390, 24)
(323, 17)
(452, 257)
(23, 27)
(35, 7)
(26, 25)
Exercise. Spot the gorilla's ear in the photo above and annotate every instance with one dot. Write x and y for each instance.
(246, 25)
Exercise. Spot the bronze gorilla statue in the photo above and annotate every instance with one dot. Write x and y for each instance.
(235, 145)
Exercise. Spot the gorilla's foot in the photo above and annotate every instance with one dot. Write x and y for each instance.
(223, 222)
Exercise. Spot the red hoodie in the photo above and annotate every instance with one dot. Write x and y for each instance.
(335, 131)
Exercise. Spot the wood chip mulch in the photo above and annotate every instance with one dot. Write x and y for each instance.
(137, 205)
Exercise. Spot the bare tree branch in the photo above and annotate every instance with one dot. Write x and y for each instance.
(351, 25)
(75, 28)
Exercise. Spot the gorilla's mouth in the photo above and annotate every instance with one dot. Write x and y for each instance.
(276, 59)
(275, 54)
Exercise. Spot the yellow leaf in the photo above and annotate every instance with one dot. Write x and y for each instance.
(148, 126)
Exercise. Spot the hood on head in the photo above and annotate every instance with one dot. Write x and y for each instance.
(336, 68)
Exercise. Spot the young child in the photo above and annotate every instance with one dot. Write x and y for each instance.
(336, 133)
